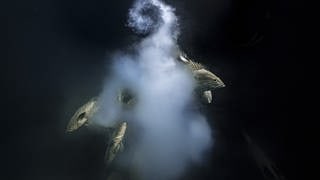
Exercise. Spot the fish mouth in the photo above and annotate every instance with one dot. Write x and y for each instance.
(221, 85)
(71, 129)
(215, 81)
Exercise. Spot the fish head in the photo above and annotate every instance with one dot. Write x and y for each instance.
(207, 80)
(82, 116)
(77, 121)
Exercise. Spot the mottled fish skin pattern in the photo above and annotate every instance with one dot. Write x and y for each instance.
(116, 143)
(82, 116)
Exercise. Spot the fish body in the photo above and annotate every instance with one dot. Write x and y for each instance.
(116, 142)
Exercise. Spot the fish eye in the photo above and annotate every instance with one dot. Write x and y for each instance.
(81, 116)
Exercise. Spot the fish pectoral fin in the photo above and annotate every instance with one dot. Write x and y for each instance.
(207, 95)
(121, 147)
(115, 150)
